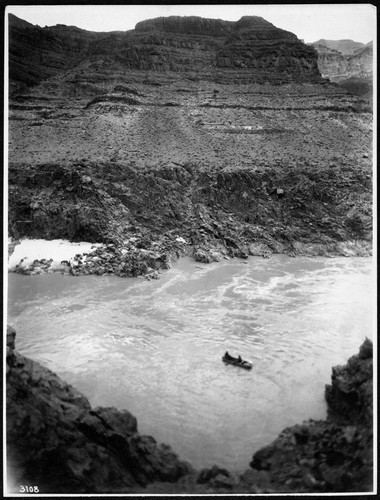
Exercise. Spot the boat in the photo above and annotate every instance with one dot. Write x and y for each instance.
(230, 360)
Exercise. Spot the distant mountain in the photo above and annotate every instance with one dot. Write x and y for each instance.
(366, 49)
(345, 47)
(348, 63)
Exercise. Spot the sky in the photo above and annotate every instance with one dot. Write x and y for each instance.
(309, 22)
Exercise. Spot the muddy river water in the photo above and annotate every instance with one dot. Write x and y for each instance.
(155, 347)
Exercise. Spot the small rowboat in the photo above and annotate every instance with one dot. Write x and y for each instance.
(230, 360)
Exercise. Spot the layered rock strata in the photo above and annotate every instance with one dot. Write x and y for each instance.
(250, 49)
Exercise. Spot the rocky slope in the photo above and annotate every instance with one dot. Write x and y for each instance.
(57, 441)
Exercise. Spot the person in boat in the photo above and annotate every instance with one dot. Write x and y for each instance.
(228, 356)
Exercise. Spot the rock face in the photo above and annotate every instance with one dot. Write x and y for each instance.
(350, 395)
(251, 49)
(57, 441)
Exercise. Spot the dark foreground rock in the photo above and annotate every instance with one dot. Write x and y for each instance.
(335, 455)
(350, 395)
(57, 441)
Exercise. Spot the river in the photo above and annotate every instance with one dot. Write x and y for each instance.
(155, 347)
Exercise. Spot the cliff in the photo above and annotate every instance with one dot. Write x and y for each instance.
(57, 441)
(251, 49)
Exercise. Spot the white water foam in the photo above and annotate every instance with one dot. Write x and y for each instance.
(58, 250)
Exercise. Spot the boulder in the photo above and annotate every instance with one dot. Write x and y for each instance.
(202, 256)
(207, 255)
(208, 475)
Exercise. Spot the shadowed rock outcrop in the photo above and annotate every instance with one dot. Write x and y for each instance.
(335, 455)
(350, 396)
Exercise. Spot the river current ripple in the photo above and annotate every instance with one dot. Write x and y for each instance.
(155, 347)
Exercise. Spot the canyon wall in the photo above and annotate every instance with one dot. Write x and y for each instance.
(251, 49)
(155, 134)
